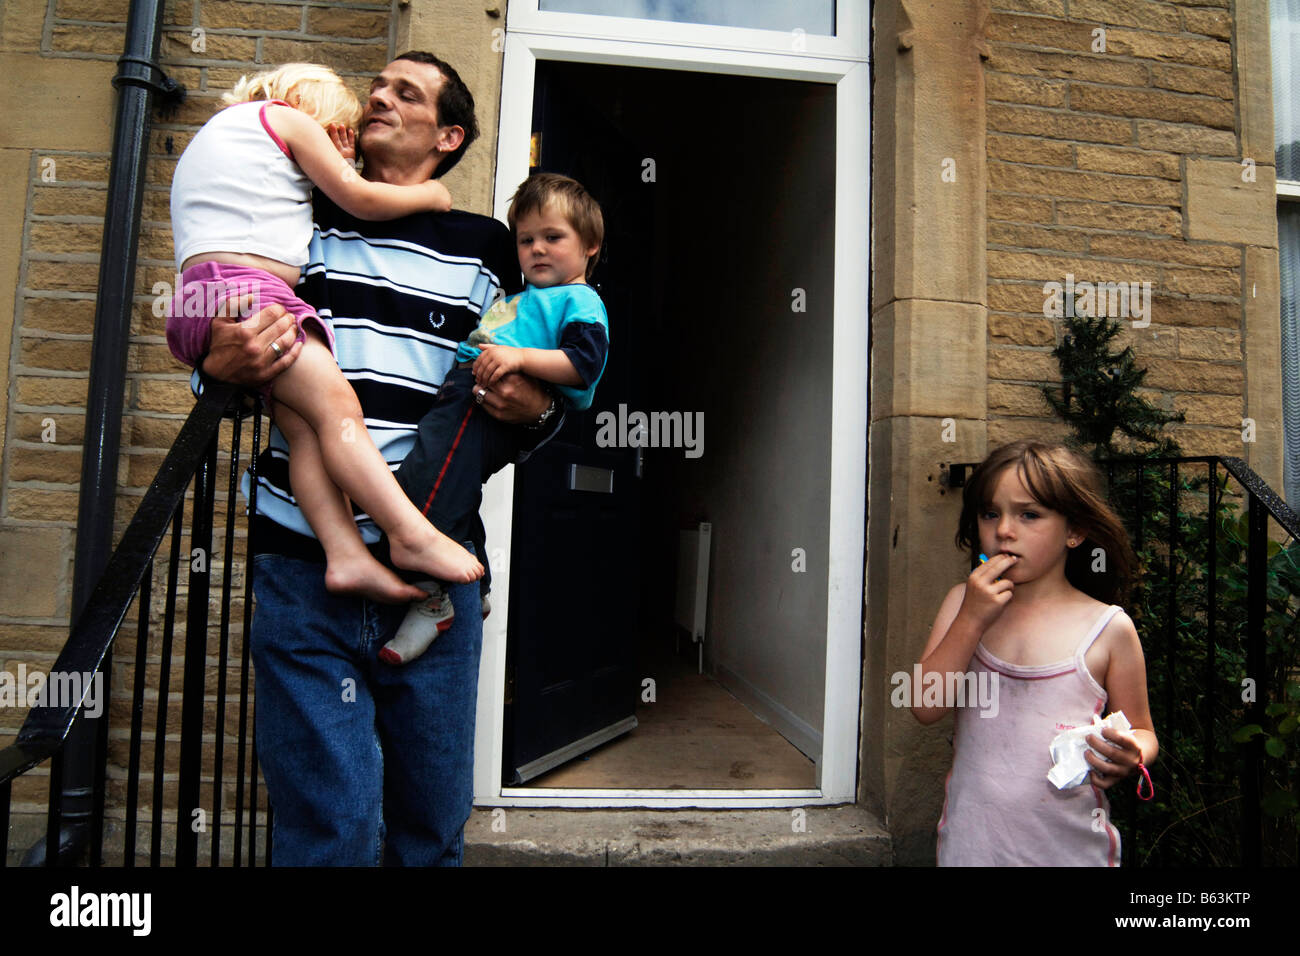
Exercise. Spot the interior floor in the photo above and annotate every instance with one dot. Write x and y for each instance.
(694, 736)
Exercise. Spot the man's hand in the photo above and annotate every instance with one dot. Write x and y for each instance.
(240, 352)
(515, 399)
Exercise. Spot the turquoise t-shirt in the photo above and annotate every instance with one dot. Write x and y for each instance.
(570, 318)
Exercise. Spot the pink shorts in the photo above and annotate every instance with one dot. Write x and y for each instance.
(203, 291)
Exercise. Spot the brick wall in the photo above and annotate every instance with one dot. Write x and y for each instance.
(207, 45)
(1089, 151)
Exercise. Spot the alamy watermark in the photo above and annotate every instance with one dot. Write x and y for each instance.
(57, 689)
(954, 689)
(212, 297)
(78, 908)
(651, 430)
(1095, 300)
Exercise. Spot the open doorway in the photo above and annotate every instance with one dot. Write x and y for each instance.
(718, 274)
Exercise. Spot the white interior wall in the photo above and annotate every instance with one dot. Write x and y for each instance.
(750, 207)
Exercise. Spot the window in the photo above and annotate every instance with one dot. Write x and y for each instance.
(815, 17)
(810, 29)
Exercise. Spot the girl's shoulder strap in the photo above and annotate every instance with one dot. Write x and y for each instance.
(261, 115)
(1102, 620)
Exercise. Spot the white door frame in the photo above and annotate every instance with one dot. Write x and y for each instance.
(531, 36)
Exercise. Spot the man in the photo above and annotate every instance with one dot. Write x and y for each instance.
(366, 762)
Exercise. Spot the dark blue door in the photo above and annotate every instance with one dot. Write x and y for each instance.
(576, 550)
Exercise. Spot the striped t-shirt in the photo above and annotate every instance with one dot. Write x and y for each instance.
(400, 296)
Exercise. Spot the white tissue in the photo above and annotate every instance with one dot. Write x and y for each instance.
(1069, 769)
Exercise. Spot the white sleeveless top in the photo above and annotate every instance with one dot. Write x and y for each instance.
(1000, 808)
(237, 189)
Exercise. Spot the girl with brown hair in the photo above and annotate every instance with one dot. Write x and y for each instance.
(1037, 616)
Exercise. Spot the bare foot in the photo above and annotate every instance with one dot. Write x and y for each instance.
(365, 576)
(436, 555)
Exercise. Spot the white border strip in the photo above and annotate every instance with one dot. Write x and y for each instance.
(838, 768)
(651, 799)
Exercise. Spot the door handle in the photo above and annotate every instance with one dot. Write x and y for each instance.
(587, 478)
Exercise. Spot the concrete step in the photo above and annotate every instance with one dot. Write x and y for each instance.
(830, 836)
(824, 836)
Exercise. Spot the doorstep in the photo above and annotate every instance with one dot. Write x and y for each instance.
(830, 836)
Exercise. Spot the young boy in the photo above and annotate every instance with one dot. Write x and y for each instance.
(555, 330)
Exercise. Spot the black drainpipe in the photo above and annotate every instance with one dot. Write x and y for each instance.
(138, 78)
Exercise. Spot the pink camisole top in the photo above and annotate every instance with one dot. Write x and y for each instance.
(1000, 809)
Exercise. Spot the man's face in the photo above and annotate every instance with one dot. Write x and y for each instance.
(399, 125)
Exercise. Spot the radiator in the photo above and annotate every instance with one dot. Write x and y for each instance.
(692, 600)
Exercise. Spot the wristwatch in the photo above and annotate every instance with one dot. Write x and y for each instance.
(545, 416)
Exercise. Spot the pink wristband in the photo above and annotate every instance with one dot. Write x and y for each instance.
(1151, 790)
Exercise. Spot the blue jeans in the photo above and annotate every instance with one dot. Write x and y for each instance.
(364, 763)
(458, 447)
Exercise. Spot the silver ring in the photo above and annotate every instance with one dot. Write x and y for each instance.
(279, 352)
(478, 395)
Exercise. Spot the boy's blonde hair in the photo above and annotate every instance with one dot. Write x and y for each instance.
(541, 191)
(316, 90)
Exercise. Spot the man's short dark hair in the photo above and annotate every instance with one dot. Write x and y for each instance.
(455, 105)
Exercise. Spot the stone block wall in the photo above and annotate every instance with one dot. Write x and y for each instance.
(57, 60)
(1115, 153)
(1120, 141)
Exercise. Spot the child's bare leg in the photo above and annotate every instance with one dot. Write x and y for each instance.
(350, 568)
(315, 388)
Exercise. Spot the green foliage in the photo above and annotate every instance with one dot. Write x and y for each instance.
(1098, 393)
(1199, 686)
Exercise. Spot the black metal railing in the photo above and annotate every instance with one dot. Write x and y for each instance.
(180, 768)
(1217, 606)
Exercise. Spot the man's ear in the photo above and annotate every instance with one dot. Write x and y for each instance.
(449, 138)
